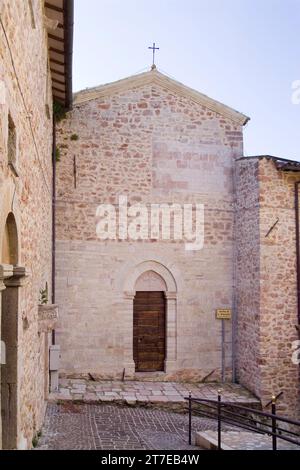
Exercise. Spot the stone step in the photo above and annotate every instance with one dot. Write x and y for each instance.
(164, 394)
(240, 440)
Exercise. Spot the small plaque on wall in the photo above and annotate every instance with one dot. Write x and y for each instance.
(223, 314)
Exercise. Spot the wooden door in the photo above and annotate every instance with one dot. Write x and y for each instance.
(149, 331)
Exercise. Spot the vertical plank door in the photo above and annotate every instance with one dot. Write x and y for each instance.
(149, 331)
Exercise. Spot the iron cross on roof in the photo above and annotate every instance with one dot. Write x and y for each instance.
(153, 48)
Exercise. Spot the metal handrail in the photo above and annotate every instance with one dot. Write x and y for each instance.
(217, 410)
(276, 398)
(242, 417)
(234, 422)
(245, 408)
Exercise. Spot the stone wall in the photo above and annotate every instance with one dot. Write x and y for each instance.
(24, 93)
(247, 255)
(153, 146)
(266, 274)
(278, 299)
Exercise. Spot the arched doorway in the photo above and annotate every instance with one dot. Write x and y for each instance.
(150, 310)
(9, 334)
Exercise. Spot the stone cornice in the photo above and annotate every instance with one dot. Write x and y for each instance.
(19, 278)
(156, 77)
(6, 271)
(13, 276)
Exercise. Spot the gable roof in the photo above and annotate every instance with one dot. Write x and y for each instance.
(156, 77)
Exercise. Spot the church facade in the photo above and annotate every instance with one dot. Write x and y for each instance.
(153, 141)
(142, 306)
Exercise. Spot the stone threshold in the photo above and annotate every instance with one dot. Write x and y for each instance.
(170, 394)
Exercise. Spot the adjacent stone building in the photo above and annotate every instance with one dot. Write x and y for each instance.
(266, 259)
(29, 33)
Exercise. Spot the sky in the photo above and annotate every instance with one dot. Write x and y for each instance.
(244, 53)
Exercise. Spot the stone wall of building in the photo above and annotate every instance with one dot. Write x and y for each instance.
(25, 91)
(153, 146)
(266, 282)
(247, 274)
(278, 299)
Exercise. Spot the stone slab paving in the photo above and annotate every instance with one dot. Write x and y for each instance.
(109, 426)
(134, 392)
(243, 440)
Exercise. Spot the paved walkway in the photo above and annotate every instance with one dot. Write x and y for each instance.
(110, 426)
(96, 415)
(135, 392)
(88, 414)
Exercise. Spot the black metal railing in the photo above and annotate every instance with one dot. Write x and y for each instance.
(246, 418)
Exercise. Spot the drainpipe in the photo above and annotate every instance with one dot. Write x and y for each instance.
(234, 277)
(53, 214)
(297, 246)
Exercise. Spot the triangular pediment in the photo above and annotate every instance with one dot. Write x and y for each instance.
(158, 78)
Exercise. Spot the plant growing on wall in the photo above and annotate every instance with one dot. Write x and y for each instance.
(35, 439)
(57, 154)
(74, 137)
(44, 295)
(59, 111)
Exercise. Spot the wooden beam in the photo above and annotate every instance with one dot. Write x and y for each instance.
(62, 74)
(53, 7)
(58, 99)
(55, 38)
(63, 92)
(58, 81)
(57, 62)
(57, 51)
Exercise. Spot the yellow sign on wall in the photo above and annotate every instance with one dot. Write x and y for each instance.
(223, 314)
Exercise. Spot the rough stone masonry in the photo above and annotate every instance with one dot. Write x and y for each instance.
(30, 32)
(25, 208)
(154, 141)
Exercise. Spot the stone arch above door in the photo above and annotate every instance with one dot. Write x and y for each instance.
(156, 269)
(150, 281)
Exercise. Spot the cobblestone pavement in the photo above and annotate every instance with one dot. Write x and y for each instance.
(88, 414)
(132, 392)
(110, 426)
(73, 426)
